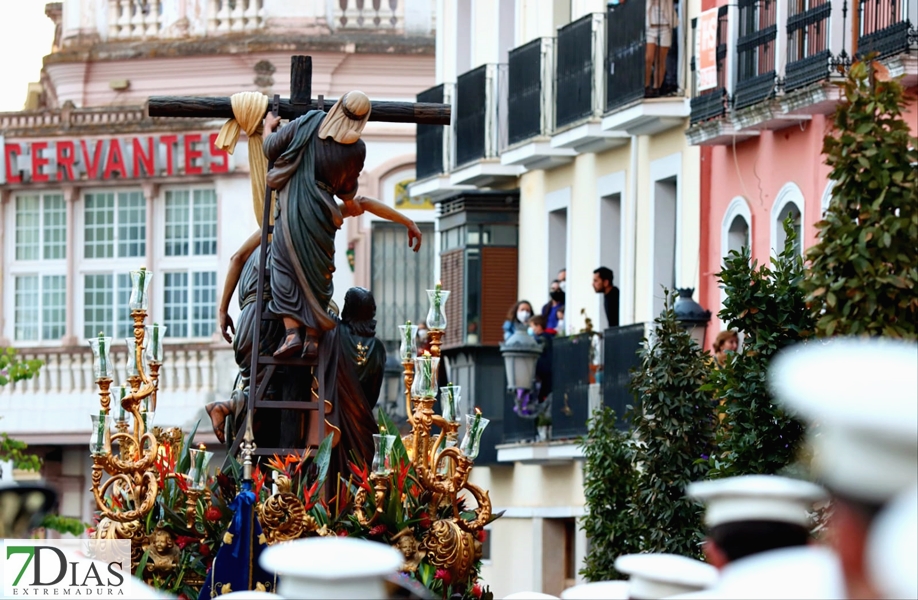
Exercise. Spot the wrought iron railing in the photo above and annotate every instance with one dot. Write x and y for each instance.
(755, 52)
(808, 53)
(471, 114)
(570, 368)
(711, 103)
(429, 139)
(525, 91)
(885, 26)
(574, 72)
(621, 348)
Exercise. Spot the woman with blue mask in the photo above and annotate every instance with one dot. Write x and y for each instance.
(517, 318)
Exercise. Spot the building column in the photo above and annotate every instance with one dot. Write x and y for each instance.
(4, 206)
(581, 260)
(71, 197)
(533, 273)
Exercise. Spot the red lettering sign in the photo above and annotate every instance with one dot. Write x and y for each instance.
(12, 152)
(38, 162)
(215, 167)
(168, 141)
(92, 163)
(145, 159)
(65, 160)
(115, 162)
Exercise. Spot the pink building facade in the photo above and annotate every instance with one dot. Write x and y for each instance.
(761, 121)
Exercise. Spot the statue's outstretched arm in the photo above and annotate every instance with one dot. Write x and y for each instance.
(384, 211)
(237, 261)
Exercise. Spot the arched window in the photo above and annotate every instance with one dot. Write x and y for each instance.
(736, 227)
(826, 198)
(789, 203)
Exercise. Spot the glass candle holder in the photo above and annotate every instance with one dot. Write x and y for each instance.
(474, 427)
(200, 461)
(408, 341)
(140, 289)
(100, 439)
(446, 464)
(436, 316)
(450, 397)
(118, 394)
(153, 342)
(132, 370)
(102, 367)
(425, 376)
(382, 456)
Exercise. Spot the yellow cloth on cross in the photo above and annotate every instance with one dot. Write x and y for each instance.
(248, 112)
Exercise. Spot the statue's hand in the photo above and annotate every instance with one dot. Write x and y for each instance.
(271, 122)
(414, 237)
(225, 322)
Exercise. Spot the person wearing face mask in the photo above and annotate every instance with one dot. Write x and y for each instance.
(550, 310)
(517, 317)
(562, 280)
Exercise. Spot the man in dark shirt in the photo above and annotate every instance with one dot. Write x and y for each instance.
(602, 284)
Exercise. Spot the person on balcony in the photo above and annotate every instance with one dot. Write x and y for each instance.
(543, 365)
(661, 19)
(550, 310)
(517, 317)
(602, 284)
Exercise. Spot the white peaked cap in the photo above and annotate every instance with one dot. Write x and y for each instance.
(862, 393)
(598, 590)
(798, 573)
(892, 549)
(661, 575)
(756, 498)
(530, 596)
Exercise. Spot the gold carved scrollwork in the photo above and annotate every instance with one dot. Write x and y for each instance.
(283, 516)
(450, 548)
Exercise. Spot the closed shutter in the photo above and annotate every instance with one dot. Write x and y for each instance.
(452, 270)
(498, 287)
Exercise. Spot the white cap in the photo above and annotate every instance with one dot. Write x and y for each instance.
(530, 596)
(661, 575)
(598, 590)
(756, 498)
(862, 395)
(800, 573)
(892, 548)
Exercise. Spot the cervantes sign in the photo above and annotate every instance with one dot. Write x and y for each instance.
(132, 157)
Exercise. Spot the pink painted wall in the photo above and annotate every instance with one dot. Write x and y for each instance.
(757, 169)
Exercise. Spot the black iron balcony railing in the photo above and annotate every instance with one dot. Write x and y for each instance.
(755, 52)
(884, 26)
(570, 369)
(711, 102)
(631, 52)
(429, 138)
(525, 92)
(471, 113)
(621, 348)
(808, 53)
(574, 74)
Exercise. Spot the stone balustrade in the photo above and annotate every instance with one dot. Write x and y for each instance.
(134, 19)
(368, 14)
(227, 16)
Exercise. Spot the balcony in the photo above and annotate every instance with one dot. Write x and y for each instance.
(709, 72)
(580, 87)
(808, 52)
(887, 27)
(756, 73)
(644, 93)
(434, 150)
(530, 108)
(480, 127)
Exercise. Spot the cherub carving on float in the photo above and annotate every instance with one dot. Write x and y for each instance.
(163, 554)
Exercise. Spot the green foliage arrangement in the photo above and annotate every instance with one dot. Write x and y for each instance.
(863, 276)
(767, 305)
(13, 368)
(609, 485)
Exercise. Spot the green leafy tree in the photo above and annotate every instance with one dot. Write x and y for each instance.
(674, 425)
(863, 276)
(609, 484)
(767, 305)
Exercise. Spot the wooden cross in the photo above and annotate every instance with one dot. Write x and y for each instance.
(299, 103)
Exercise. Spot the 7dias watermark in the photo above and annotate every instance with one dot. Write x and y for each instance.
(66, 568)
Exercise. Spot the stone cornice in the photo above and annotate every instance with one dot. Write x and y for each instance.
(107, 120)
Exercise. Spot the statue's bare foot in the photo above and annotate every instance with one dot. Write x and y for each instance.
(292, 344)
(311, 349)
(218, 411)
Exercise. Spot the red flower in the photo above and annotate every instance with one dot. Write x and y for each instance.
(213, 514)
(363, 476)
(183, 540)
(414, 491)
(183, 597)
(205, 549)
(444, 576)
(309, 497)
(342, 533)
(90, 531)
(258, 479)
(425, 521)
(476, 590)
(481, 535)
(403, 475)
(378, 530)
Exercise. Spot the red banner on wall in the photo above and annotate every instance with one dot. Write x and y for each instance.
(707, 50)
(129, 158)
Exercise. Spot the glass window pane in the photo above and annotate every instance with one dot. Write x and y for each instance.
(175, 304)
(204, 308)
(98, 301)
(55, 227)
(25, 315)
(53, 306)
(205, 222)
(99, 227)
(124, 325)
(28, 219)
(177, 223)
(132, 225)
(503, 235)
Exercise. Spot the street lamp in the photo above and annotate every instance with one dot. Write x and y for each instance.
(691, 315)
(520, 352)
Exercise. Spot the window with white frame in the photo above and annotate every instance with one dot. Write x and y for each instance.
(189, 266)
(114, 243)
(38, 267)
